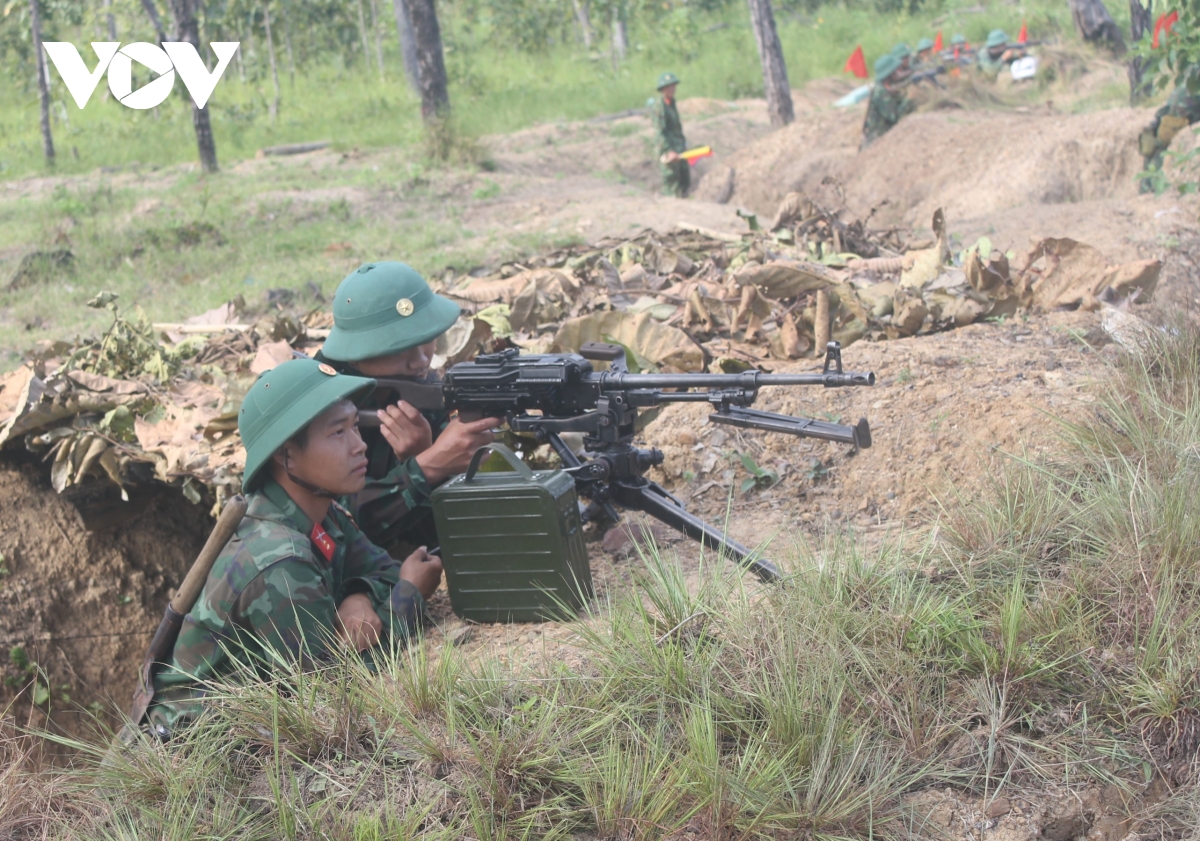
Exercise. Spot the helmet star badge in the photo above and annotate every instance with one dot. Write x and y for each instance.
(405, 307)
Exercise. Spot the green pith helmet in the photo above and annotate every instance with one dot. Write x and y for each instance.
(924, 44)
(665, 79)
(958, 40)
(997, 38)
(885, 66)
(901, 51)
(385, 308)
(283, 401)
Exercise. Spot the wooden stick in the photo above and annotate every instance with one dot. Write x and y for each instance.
(173, 327)
(821, 323)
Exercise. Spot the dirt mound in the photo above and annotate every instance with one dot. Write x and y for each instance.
(82, 592)
(971, 163)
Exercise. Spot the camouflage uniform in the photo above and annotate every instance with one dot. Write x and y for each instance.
(394, 510)
(1182, 109)
(275, 588)
(677, 175)
(884, 110)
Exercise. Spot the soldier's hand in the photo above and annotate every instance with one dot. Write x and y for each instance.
(358, 625)
(453, 449)
(405, 429)
(423, 571)
(669, 157)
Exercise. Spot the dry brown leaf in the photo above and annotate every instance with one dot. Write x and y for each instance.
(780, 279)
(667, 347)
(270, 355)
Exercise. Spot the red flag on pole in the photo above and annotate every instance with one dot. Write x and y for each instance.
(1023, 35)
(937, 42)
(1163, 26)
(857, 64)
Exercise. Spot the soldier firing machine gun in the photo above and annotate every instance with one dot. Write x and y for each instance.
(549, 394)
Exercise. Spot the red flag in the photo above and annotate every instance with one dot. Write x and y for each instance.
(857, 64)
(1023, 35)
(937, 42)
(1163, 25)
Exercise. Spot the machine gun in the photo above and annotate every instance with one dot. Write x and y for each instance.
(549, 394)
(930, 75)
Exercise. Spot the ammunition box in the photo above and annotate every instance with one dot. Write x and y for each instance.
(512, 543)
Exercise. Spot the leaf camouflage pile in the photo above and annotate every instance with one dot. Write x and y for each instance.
(159, 402)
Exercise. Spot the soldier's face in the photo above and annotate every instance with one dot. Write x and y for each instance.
(413, 362)
(668, 93)
(334, 456)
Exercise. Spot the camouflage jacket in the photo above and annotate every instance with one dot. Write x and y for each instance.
(396, 499)
(989, 65)
(884, 110)
(274, 590)
(668, 127)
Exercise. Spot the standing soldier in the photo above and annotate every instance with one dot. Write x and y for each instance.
(386, 321)
(676, 173)
(298, 578)
(888, 102)
(1182, 110)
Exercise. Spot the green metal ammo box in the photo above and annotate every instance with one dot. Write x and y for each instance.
(512, 543)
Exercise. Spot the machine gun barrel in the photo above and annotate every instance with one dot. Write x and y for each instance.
(750, 380)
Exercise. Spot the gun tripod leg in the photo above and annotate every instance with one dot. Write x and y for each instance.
(655, 501)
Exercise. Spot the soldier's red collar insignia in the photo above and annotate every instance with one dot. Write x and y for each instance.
(327, 369)
(323, 542)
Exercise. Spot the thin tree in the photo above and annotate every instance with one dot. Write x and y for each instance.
(1141, 21)
(35, 27)
(620, 33)
(362, 31)
(431, 64)
(155, 20)
(584, 18)
(187, 28)
(273, 110)
(1095, 24)
(112, 20)
(408, 43)
(287, 40)
(378, 38)
(770, 53)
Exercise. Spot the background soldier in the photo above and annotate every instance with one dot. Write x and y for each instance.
(997, 53)
(1182, 110)
(298, 577)
(925, 58)
(386, 322)
(676, 172)
(888, 102)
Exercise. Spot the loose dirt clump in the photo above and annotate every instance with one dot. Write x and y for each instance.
(81, 595)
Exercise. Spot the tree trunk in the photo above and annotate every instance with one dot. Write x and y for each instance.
(35, 27)
(155, 19)
(287, 41)
(1095, 24)
(584, 18)
(1141, 21)
(112, 20)
(770, 53)
(431, 64)
(187, 28)
(378, 38)
(620, 33)
(274, 107)
(362, 31)
(408, 44)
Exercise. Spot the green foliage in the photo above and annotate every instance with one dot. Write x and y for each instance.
(760, 477)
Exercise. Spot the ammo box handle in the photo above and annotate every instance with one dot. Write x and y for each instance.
(508, 455)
